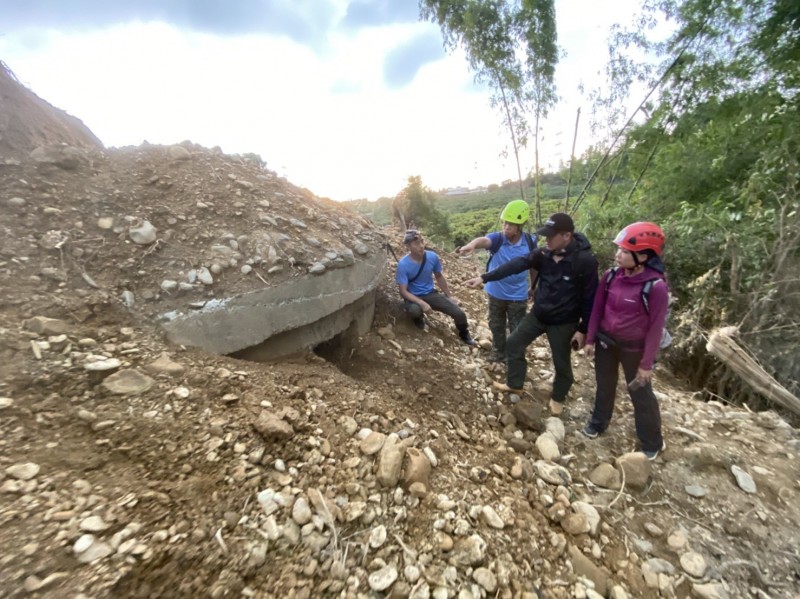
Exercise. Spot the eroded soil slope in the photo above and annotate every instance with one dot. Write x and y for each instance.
(376, 466)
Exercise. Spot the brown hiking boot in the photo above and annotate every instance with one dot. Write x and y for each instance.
(498, 386)
(556, 408)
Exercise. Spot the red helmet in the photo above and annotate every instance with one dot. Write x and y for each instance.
(639, 237)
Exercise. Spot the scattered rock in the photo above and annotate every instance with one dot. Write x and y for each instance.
(636, 467)
(271, 427)
(383, 578)
(743, 479)
(25, 471)
(694, 564)
(128, 382)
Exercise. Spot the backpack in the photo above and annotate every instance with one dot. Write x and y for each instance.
(495, 247)
(647, 287)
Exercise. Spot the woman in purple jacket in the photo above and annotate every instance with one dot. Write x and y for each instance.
(626, 325)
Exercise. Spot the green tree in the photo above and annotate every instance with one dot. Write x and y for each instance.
(714, 159)
(415, 207)
(511, 46)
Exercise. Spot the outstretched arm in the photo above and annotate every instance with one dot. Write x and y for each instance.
(477, 243)
(511, 267)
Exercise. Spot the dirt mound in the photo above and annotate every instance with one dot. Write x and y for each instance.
(28, 122)
(381, 465)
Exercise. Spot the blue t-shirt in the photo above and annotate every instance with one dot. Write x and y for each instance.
(514, 287)
(407, 268)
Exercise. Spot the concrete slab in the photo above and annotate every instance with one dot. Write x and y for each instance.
(299, 313)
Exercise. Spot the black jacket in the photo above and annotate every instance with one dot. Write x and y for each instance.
(565, 289)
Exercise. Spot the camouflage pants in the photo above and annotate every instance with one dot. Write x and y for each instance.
(504, 314)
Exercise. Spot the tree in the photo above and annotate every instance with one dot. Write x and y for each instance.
(415, 207)
(714, 159)
(511, 46)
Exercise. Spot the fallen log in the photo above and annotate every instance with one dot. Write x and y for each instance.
(721, 343)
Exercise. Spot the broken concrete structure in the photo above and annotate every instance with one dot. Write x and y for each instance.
(285, 319)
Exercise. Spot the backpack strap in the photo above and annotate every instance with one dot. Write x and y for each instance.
(495, 247)
(647, 287)
(419, 272)
(612, 272)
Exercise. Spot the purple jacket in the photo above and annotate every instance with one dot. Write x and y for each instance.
(619, 312)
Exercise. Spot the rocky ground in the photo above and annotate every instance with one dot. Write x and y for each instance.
(380, 466)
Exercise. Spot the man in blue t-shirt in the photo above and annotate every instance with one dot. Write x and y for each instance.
(508, 298)
(415, 273)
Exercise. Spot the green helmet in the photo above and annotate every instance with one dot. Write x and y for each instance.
(516, 212)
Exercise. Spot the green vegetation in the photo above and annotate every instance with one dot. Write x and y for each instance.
(712, 154)
(715, 161)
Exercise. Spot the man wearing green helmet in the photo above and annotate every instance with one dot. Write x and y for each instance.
(508, 298)
(566, 281)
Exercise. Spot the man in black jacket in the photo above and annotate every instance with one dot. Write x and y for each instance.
(566, 282)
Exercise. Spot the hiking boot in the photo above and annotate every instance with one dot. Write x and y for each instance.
(463, 334)
(652, 455)
(496, 358)
(466, 338)
(556, 407)
(498, 386)
(590, 431)
(420, 323)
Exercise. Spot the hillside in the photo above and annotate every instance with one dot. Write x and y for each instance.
(379, 465)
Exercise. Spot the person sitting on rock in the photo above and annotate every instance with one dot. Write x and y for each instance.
(415, 273)
(508, 298)
(565, 288)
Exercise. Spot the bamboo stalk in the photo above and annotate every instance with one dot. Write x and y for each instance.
(722, 345)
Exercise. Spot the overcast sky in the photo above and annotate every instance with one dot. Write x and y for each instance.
(345, 97)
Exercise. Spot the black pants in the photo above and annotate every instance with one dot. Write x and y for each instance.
(558, 335)
(439, 303)
(645, 405)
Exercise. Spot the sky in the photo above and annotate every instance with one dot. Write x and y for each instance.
(347, 98)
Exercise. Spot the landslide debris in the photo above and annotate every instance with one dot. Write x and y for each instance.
(382, 465)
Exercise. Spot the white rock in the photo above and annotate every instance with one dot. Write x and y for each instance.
(142, 233)
(103, 365)
(485, 578)
(301, 511)
(555, 427)
(377, 537)
(412, 573)
(548, 447)
(25, 471)
(94, 524)
(590, 513)
(6, 402)
(693, 564)
(204, 276)
(552, 473)
(744, 480)
(96, 551)
(382, 579)
(618, 592)
(83, 543)
(491, 518)
(431, 456)
(711, 590)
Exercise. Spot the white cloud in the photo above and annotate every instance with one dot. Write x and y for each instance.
(324, 118)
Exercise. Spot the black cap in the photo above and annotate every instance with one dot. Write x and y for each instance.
(411, 235)
(557, 223)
